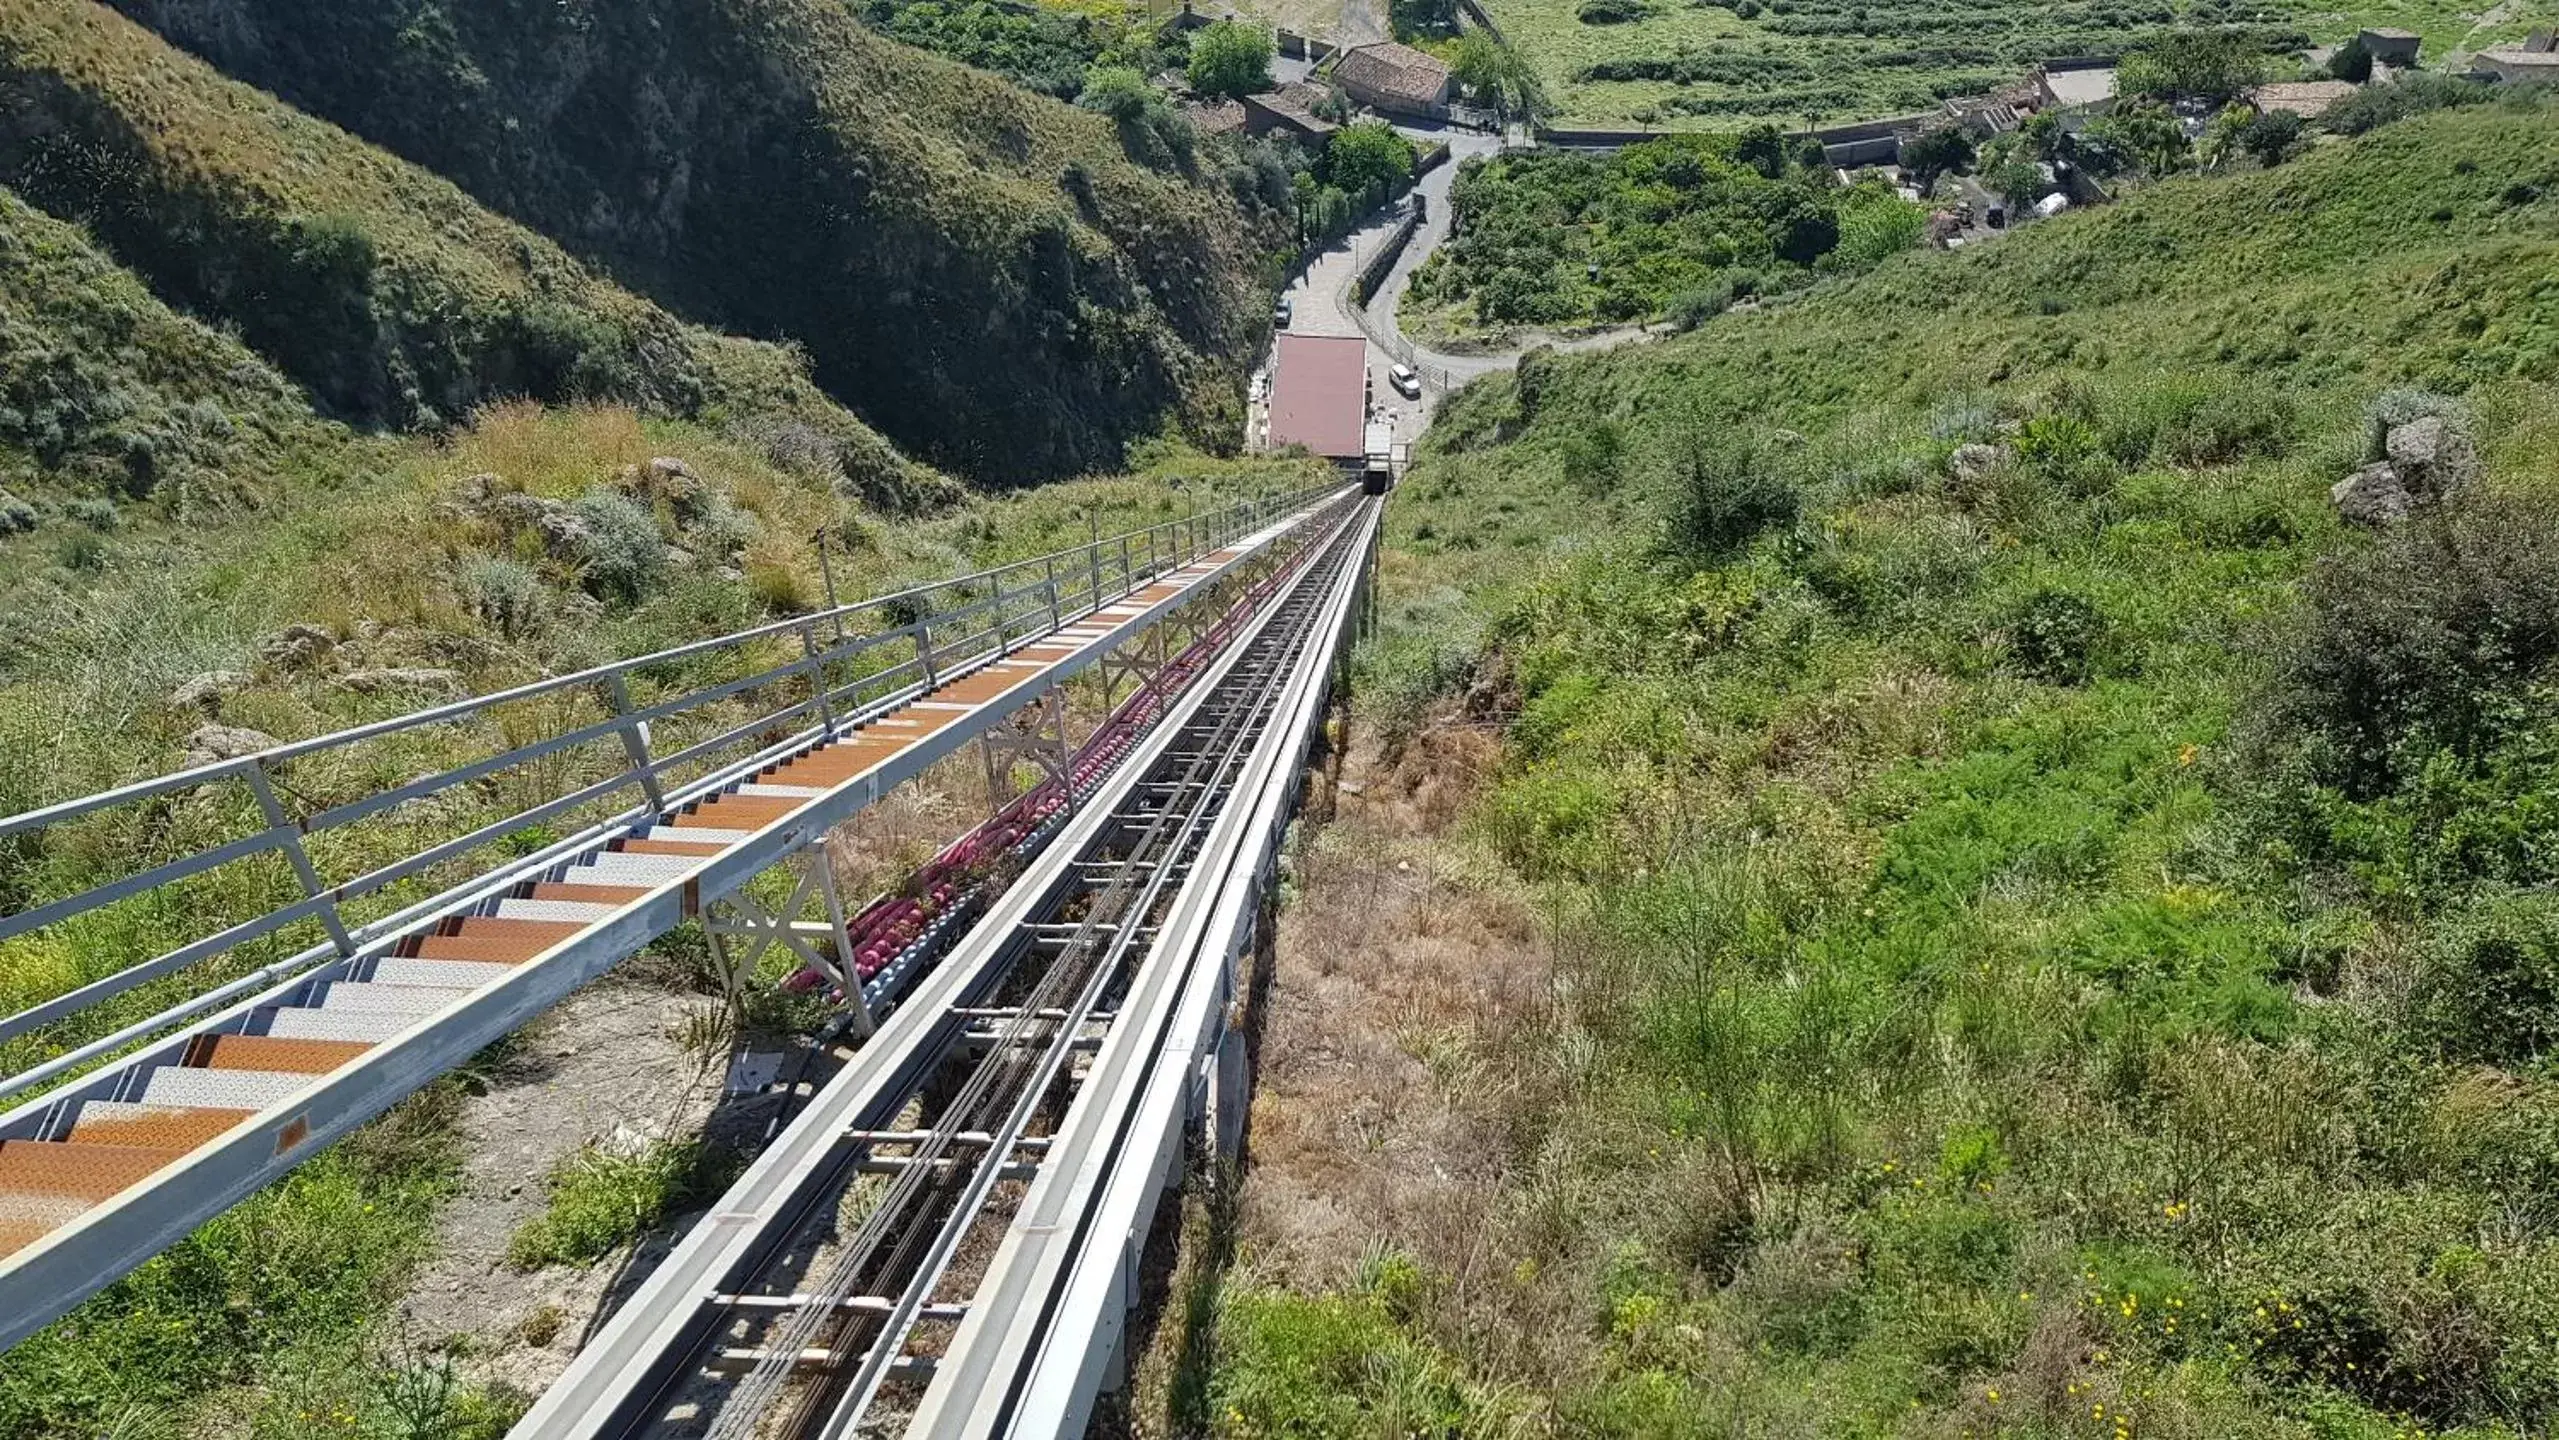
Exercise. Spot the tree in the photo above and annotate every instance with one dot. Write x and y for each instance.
(1366, 154)
(1230, 59)
(1762, 149)
(1496, 75)
(2148, 133)
(1936, 153)
(2044, 136)
(2272, 137)
(2208, 65)
(2018, 182)
(2351, 62)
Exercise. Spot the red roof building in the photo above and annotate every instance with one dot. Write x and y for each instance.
(1319, 395)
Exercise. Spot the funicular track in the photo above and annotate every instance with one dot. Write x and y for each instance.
(912, 1254)
(137, 1134)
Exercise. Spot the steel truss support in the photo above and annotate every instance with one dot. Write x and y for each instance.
(742, 928)
(1036, 733)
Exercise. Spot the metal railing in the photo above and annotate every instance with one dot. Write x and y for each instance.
(817, 674)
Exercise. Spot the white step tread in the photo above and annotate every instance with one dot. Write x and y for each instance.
(583, 911)
(222, 1089)
(439, 974)
(357, 996)
(696, 835)
(616, 868)
(294, 1022)
(782, 792)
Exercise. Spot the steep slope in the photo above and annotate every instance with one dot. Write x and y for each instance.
(979, 270)
(384, 291)
(106, 393)
(1994, 913)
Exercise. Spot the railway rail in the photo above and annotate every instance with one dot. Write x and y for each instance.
(942, 1241)
(132, 1131)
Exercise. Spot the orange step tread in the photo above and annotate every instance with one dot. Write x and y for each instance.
(171, 1129)
(79, 1172)
(273, 1052)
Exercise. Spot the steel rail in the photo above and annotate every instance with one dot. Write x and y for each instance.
(617, 1383)
(1170, 834)
(1046, 1322)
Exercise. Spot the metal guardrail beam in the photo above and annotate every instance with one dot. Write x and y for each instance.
(820, 661)
(48, 1276)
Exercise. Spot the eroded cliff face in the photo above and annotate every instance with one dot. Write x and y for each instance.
(979, 271)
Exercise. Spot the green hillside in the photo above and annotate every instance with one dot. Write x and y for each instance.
(385, 292)
(1995, 912)
(977, 269)
(106, 395)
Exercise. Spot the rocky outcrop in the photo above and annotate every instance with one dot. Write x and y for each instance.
(2423, 458)
(208, 743)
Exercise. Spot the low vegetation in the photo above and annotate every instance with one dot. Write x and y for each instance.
(603, 1198)
(1799, 62)
(2034, 927)
(1671, 228)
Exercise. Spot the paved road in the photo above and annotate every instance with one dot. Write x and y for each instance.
(1323, 304)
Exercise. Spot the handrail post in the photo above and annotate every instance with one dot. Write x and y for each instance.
(1055, 620)
(635, 742)
(817, 680)
(289, 839)
(924, 641)
(1128, 570)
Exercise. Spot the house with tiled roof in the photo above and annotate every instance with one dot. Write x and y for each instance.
(2308, 99)
(1395, 79)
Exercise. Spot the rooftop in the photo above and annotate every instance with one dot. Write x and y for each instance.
(2308, 99)
(2518, 55)
(1319, 394)
(1214, 117)
(2081, 85)
(1393, 69)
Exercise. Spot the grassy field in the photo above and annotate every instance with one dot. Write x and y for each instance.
(1829, 61)
(1992, 912)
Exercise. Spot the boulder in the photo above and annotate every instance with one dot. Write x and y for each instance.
(476, 489)
(1971, 462)
(562, 532)
(295, 646)
(208, 743)
(2433, 453)
(205, 691)
(2377, 494)
(390, 680)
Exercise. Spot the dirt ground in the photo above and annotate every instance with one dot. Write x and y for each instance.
(1376, 1111)
(605, 1066)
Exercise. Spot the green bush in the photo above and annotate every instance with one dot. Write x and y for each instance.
(601, 1200)
(2488, 991)
(622, 551)
(1230, 59)
(505, 594)
(1725, 491)
(2056, 636)
(2420, 642)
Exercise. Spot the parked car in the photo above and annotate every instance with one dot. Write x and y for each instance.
(1282, 313)
(1404, 380)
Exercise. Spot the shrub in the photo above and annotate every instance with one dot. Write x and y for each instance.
(2420, 642)
(623, 551)
(16, 515)
(2414, 93)
(2351, 62)
(1367, 154)
(2054, 636)
(1610, 12)
(505, 594)
(2489, 988)
(97, 514)
(601, 1200)
(2272, 136)
(1725, 491)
